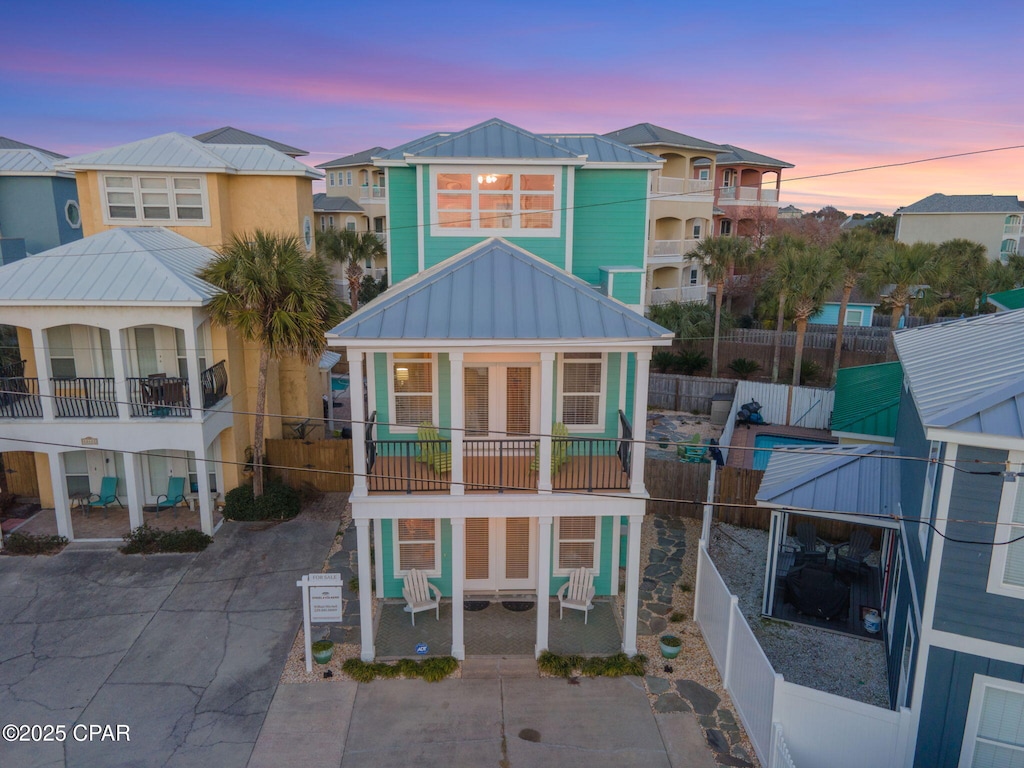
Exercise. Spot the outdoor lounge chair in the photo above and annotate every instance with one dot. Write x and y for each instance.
(175, 495)
(420, 595)
(692, 451)
(857, 550)
(577, 593)
(559, 449)
(433, 451)
(106, 496)
(812, 548)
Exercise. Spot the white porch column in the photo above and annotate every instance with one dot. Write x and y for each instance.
(547, 421)
(195, 377)
(203, 484)
(365, 593)
(42, 349)
(61, 503)
(355, 368)
(643, 364)
(458, 415)
(458, 586)
(120, 373)
(134, 489)
(632, 584)
(543, 581)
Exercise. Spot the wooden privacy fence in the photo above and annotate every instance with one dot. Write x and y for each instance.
(296, 462)
(730, 350)
(678, 481)
(20, 470)
(675, 392)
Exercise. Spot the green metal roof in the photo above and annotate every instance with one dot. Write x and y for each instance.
(1007, 300)
(868, 399)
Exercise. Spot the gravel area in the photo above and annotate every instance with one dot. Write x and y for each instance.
(674, 427)
(817, 658)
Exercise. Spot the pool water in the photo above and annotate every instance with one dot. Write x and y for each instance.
(339, 384)
(777, 441)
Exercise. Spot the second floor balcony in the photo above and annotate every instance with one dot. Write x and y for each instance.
(748, 195)
(372, 192)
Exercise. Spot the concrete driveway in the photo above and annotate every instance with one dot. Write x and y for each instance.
(184, 650)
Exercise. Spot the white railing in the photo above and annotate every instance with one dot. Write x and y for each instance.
(690, 245)
(699, 186)
(792, 406)
(667, 185)
(769, 195)
(821, 728)
(727, 193)
(367, 192)
(749, 193)
(686, 293)
(667, 248)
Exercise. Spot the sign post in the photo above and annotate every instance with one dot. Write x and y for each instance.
(321, 604)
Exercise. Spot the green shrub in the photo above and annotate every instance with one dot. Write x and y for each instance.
(353, 584)
(31, 544)
(809, 371)
(691, 361)
(145, 540)
(321, 646)
(595, 666)
(671, 641)
(685, 586)
(678, 616)
(278, 502)
(744, 367)
(662, 361)
(432, 670)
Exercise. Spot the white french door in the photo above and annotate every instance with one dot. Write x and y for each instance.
(499, 400)
(500, 553)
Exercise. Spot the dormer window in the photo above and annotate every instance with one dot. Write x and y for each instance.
(495, 201)
(154, 199)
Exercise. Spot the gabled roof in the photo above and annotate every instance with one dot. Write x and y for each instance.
(738, 156)
(19, 159)
(849, 478)
(492, 138)
(229, 135)
(497, 291)
(1007, 300)
(647, 134)
(359, 158)
(939, 203)
(137, 265)
(868, 399)
(599, 149)
(175, 151)
(968, 375)
(322, 202)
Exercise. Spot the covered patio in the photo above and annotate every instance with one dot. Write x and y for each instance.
(112, 523)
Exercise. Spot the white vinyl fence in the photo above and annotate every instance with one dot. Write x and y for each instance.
(792, 406)
(821, 729)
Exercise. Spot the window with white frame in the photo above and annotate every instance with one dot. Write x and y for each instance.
(350, 224)
(693, 276)
(348, 178)
(495, 201)
(994, 731)
(331, 178)
(577, 544)
(726, 227)
(929, 493)
(1006, 574)
(728, 178)
(412, 378)
(582, 389)
(152, 198)
(417, 546)
(696, 230)
(76, 472)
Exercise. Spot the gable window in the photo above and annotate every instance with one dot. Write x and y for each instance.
(994, 731)
(577, 544)
(412, 382)
(495, 201)
(154, 199)
(581, 403)
(1006, 574)
(417, 546)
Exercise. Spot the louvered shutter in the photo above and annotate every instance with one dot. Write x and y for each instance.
(517, 548)
(478, 556)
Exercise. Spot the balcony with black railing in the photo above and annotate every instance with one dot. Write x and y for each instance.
(19, 398)
(84, 397)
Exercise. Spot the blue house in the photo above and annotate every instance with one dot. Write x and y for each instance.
(38, 204)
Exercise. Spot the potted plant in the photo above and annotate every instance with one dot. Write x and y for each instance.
(670, 646)
(322, 651)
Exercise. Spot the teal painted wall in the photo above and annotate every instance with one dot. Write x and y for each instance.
(32, 208)
(627, 287)
(610, 221)
(403, 236)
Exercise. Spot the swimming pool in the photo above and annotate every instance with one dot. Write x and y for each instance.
(777, 441)
(339, 384)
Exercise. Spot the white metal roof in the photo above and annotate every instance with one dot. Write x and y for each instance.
(143, 265)
(175, 151)
(29, 162)
(968, 375)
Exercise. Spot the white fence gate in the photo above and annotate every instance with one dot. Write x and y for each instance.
(821, 729)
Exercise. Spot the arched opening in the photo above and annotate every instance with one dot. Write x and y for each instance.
(668, 236)
(695, 229)
(770, 186)
(665, 277)
(675, 165)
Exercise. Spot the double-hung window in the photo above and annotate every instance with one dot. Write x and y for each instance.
(577, 543)
(412, 379)
(581, 403)
(154, 199)
(417, 546)
(1006, 574)
(331, 176)
(994, 731)
(495, 202)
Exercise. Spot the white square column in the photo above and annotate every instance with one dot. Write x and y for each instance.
(61, 502)
(355, 368)
(632, 584)
(46, 399)
(543, 581)
(367, 651)
(547, 421)
(458, 586)
(643, 365)
(203, 489)
(120, 373)
(458, 417)
(134, 490)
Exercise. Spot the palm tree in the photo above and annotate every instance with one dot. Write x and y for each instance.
(967, 278)
(780, 253)
(853, 252)
(813, 275)
(906, 268)
(719, 256)
(357, 248)
(277, 298)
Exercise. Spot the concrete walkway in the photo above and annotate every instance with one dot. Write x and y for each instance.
(512, 723)
(185, 650)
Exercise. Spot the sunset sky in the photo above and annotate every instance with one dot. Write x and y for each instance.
(826, 86)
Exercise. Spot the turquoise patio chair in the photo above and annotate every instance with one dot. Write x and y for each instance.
(175, 495)
(106, 496)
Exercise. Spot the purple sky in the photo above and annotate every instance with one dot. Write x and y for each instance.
(825, 86)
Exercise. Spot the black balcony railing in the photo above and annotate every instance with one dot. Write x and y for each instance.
(587, 464)
(407, 466)
(13, 370)
(84, 397)
(625, 443)
(215, 384)
(19, 398)
(491, 466)
(159, 396)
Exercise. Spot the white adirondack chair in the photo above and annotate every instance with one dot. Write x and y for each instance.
(577, 593)
(417, 593)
